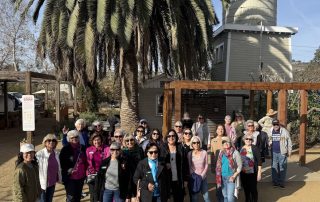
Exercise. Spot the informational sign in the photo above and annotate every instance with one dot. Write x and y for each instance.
(28, 115)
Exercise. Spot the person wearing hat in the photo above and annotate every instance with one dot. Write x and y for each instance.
(187, 122)
(112, 180)
(73, 163)
(97, 128)
(26, 184)
(49, 167)
(281, 147)
(228, 169)
(144, 124)
(266, 121)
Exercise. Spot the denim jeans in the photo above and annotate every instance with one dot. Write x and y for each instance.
(279, 168)
(111, 195)
(228, 189)
(47, 195)
(204, 192)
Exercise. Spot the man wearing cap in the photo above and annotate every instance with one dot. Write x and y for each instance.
(281, 147)
(266, 122)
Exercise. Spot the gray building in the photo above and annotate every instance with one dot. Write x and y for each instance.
(249, 46)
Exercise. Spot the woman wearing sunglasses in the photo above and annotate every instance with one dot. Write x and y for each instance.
(228, 168)
(49, 167)
(112, 179)
(151, 176)
(134, 153)
(198, 164)
(251, 169)
(172, 154)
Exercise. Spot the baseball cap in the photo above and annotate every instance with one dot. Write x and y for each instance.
(26, 148)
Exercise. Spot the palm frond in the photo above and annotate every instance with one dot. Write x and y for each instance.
(101, 14)
(73, 25)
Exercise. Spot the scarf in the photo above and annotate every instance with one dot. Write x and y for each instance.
(154, 169)
(228, 153)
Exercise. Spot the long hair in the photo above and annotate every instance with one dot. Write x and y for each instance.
(224, 130)
(20, 160)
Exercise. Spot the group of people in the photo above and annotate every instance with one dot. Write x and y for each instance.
(146, 166)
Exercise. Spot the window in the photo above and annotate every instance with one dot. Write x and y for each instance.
(159, 105)
(218, 53)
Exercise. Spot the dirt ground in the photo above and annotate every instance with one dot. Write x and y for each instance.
(303, 182)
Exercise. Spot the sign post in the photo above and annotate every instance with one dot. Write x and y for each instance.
(28, 116)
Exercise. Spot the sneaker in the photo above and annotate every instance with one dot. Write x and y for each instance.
(275, 185)
(282, 186)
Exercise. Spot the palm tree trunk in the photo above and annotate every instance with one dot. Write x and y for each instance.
(129, 89)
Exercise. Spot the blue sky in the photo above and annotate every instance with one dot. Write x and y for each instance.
(296, 13)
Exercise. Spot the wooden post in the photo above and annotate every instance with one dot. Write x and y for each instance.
(46, 98)
(251, 104)
(75, 101)
(28, 92)
(303, 126)
(269, 100)
(282, 107)
(58, 117)
(5, 102)
(167, 110)
(177, 104)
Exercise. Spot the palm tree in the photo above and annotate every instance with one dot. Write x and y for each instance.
(84, 37)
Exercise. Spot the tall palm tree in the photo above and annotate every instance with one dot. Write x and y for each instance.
(84, 37)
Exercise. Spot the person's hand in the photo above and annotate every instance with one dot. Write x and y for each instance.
(65, 130)
(259, 177)
(150, 187)
(231, 179)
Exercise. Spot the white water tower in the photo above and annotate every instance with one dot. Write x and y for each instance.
(251, 12)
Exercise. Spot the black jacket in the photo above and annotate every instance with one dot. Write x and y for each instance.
(165, 157)
(143, 173)
(67, 160)
(123, 175)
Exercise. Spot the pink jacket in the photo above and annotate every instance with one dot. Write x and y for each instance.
(95, 157)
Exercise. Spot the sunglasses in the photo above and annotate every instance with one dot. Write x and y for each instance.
(276, 124)
(141, 131)
(74, 138)
(143, 122)
(200, 117)
(195, 142)
(52, 140)
(153, 152)
(131, 140)
(250, 125)
(155, 133)
(187, 133)
(249, 139)
(178, 126)
(114, 149)
(172, 136)
(118, 136)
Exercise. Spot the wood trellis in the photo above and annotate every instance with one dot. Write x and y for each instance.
(174, 89)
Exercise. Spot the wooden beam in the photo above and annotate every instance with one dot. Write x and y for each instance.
(177, 104)
(269, 100)
(42, 76)
(222, 85)
(303, 126)
(251, 104)
(28, 92)
(167, 111)
(282, 107)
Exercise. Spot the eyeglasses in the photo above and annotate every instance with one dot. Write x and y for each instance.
(52, 140)
(131, 140)
(250, 125)
(171, 136)
(200, 117)
(143, 122)
(276, 124)
(118, 136)
(187, 133)
(114, 149)
(178, 126)
(195, 142)
(141, 131)
(153, 152)
(249, 139)
(155, 133)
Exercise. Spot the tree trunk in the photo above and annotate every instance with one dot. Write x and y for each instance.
(129, 89)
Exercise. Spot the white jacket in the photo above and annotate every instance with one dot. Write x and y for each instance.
(42, 157)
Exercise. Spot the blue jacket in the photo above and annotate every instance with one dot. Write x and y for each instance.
(84, 134)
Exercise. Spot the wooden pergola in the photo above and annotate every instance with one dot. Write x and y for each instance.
(29, 77)
(173, 90)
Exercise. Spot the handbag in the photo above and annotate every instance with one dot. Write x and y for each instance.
(91, 178)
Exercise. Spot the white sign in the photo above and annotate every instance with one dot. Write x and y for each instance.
(28, 116)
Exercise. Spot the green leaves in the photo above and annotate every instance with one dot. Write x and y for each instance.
(72, 25)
